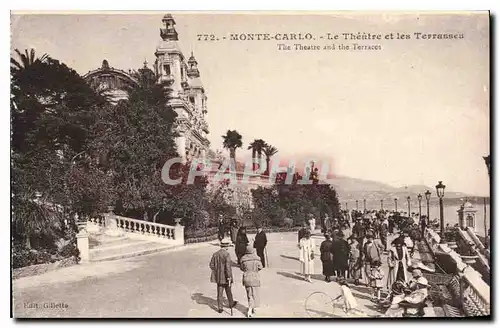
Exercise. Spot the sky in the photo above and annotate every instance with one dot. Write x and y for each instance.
(414, 112)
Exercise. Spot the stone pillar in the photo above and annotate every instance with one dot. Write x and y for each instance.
(111, 225)
(82, 243)
(179, 232)
(175, 69)
(181, 146)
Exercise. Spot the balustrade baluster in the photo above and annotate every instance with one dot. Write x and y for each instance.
(164, 232)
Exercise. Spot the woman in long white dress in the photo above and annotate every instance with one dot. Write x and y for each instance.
(306, 255)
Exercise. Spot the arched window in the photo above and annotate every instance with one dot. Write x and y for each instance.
(470, 221)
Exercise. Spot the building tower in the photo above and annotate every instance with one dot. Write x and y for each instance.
(184, 90)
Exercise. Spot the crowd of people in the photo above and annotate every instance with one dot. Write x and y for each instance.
(354, 254)
(359, 256)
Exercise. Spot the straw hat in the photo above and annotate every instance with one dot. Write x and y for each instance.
(249, 250)
(225, 242)
(422, 281)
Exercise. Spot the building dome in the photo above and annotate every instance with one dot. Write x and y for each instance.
(468, 205)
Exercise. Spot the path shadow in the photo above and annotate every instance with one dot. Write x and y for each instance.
(319, 277)
(212, 303)
(290, 257)
(323, 314)
(291, 275)
(363, 296)
(360, 289)
(234, 264)
(375, 307)
(205, 300)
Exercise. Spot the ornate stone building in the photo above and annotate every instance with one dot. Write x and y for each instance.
(181, 81)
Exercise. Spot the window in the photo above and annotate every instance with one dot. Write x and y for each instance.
(470, 221)
(191, 100)
(167, 69)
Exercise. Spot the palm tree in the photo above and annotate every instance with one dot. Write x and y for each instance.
(26, 59)
(257, 146)
(232, 140)
(269, 151)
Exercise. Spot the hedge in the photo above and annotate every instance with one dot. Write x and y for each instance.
(193, 237)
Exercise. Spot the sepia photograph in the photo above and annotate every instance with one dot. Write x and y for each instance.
(250, 164)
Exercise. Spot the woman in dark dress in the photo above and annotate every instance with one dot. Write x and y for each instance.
(326, 257)
(241, 243)
(340, 251)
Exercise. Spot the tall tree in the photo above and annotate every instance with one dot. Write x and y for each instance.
(257, 146)
(269, 151)
(232, 140)
(51, 115)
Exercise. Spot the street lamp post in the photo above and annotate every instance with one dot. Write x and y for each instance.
(357, 208)
(364, 205)
(346, 206)
(396, 204)
(408, 200)
(381, 204)
(419, 197)
(440, 193)
(428, 198)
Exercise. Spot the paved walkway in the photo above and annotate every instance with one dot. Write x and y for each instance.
(177, 284)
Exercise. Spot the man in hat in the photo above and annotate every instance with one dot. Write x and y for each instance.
(383, 231)
(260, 243)
(221, 228)
(222, 274)
(234, 231)
(358, 232)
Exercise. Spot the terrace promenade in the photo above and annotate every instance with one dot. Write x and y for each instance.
(176, 283)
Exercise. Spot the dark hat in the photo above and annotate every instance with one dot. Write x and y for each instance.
(398, 241)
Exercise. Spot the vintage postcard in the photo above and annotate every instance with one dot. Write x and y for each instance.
(250, 164)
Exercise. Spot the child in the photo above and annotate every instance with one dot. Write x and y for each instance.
(349, 300)
(375, 277)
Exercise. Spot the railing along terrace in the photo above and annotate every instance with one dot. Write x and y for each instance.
(99, 221)
(476, 292)
(146, 228)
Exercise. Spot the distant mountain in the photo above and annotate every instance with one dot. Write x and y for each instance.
(352, 189)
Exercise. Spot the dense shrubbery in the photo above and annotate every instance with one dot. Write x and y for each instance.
(75, 154)
(282, 204)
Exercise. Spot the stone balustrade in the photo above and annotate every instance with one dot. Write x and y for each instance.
(433, 240)
(476, 292)
(478, 243)
(157, 232)
(475, 248)
(114, 225)
(95, 224)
